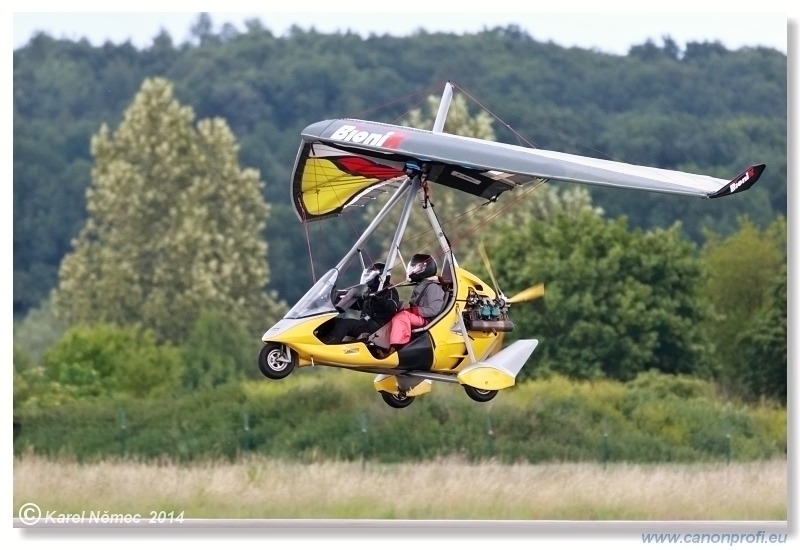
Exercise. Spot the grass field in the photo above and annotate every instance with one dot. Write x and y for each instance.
(447, 489)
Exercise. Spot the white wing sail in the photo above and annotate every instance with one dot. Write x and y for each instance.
(339, 160)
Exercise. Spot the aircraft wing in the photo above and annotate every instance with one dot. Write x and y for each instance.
(343, 162)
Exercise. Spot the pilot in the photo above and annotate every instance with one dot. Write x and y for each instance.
(425, 303)
(376, 308)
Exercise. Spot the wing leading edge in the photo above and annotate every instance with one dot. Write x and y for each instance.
(343, 162)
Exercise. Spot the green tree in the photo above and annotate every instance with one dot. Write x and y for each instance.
(742, 277)
(764, 344)
(175, 225)
(28, 378)
(545, 203)
(218, 350)
(619, 301)
(38, 330)
(202, 29)
(107, 360)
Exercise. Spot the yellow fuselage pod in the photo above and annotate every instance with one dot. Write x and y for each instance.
(298, 335)
(450, 351)
(500, 370)
(411, 387)
(486, 378)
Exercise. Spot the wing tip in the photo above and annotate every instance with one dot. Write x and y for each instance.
(742, 182)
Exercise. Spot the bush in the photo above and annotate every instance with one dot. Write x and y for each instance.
(218, 350)
(106, 360)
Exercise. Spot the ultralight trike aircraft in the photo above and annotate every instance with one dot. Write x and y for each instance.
(345, 163)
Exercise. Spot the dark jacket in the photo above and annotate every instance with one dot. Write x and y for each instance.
(380, 307)
(376, 311)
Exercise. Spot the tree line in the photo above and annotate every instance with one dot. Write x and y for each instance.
(704, 109)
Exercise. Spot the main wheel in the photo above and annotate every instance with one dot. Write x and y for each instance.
(482, 396)
(397, 401)
(272, 361)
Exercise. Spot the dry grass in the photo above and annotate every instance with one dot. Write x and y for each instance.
(447, 489)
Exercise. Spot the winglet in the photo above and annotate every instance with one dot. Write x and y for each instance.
(742, 182)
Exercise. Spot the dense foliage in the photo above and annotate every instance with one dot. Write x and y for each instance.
(745, 277)
(619, 302)
(335, 415)
(100, 362)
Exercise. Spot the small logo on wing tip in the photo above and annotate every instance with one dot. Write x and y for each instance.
(747, 176)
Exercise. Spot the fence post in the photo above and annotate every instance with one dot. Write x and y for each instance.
(727, 441)
(606, 451)
(248, 441)
(490, 435)
(364, 438)
(123, 433)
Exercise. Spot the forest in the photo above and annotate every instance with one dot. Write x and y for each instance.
(154, 240)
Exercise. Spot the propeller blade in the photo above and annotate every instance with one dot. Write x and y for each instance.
(532, 293)
(487, 265)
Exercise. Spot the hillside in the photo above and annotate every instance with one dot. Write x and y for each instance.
(705, 109)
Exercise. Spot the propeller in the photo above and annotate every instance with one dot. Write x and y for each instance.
(530, 293)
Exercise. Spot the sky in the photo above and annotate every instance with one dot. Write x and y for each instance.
(614, 30)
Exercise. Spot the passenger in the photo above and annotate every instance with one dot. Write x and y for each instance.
(426, 302)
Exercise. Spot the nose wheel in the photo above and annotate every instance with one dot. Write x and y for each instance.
(276, 361)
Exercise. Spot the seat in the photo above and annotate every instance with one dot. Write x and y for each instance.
(446, 278)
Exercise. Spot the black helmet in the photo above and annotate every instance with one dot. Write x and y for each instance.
(371, 276)
(421, 267)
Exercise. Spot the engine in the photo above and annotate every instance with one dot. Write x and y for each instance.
(486, 314)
